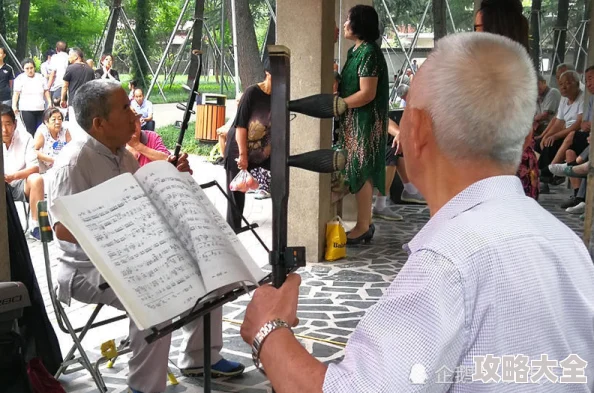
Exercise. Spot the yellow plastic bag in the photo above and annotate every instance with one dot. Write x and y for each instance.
(335, 240)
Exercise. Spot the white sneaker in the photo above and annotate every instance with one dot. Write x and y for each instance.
(558, 169)
(386, 214)
(413, 198)
(577, 209)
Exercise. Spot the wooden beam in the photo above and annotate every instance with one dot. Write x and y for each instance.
(4, 254)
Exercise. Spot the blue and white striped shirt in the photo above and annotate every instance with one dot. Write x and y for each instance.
(492, 273)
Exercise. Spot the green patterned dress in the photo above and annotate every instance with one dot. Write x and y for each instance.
(364, 130)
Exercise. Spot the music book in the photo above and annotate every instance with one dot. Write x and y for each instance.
(158, 241)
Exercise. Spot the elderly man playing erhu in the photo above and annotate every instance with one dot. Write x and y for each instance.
(103, 110)
(491, 277)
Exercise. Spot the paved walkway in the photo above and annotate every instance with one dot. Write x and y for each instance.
(334, 296)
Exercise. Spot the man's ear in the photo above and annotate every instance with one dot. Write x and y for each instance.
(98, 123)
(422, 128)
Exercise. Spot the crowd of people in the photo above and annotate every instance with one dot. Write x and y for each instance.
(42, 120)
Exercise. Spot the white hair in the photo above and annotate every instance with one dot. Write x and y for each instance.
(480, 90)
(572, 75)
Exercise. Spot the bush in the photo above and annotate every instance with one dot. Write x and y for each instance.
(190, 145)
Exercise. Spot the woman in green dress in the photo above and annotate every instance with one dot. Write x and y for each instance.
(364, 88)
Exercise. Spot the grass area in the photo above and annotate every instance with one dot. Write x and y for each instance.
(176, 93)
(189, 145)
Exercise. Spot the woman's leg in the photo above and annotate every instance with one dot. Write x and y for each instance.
(29, 120)
(364, 199)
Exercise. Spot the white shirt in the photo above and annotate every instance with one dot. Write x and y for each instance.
(145, 110)
(569, 113)
(492, 272)
(58, 63)
(21, 153)
(31, 91)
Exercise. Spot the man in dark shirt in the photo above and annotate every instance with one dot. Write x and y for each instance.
(6, 78)
(77, 74)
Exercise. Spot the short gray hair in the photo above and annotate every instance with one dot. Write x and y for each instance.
(93, 100)
(571, 74)
(402, 90)
(480, 90)
(567, 66)
(541, 78)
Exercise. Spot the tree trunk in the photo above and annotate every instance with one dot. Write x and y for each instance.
(113, 26)
(251, 70)
(578, 54)
(23, 29)
(439, 19)
(196, 39)
(141, 30)
(2, 20)
(535, 33)
(560, 35)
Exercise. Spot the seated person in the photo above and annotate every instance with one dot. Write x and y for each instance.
(567, 121)
(493, 282)
(132, 85)
(50, 138)
(248, 142)
(21, 168)
(147, 146)
(103, 110)
(145, 109)
(546, 105)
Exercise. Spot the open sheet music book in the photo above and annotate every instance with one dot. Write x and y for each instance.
(157, 240)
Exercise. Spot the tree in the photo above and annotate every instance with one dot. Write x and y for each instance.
(140, 69)
(196, 39)
(535, 32)
(2, 19)
(113, 26)
(251, 70)
(23, 29)
(560, 35)
(440, 28)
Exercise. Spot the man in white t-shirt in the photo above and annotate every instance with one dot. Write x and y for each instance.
(57, 68)
(567, 121)
(21, 168)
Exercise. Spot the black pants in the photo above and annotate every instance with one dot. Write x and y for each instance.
(149, 126)
(547, 155)
(237, 197)
(32, 120)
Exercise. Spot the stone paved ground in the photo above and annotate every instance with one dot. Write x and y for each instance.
(334, 296)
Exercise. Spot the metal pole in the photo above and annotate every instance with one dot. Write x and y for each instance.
(451, 17)
(127, 22)
(396, 33)
(272, 13)
(11, 53)
(222, 50)
(162, 61)
(590, 188)
(236, 59)
(210, 37)
(554, 57)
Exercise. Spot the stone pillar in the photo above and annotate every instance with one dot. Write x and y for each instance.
(306, 27)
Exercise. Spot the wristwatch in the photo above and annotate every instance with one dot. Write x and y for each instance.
(263, 333)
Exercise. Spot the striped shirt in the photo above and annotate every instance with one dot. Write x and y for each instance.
(492, 273)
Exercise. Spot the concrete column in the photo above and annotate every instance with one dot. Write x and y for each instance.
(306, 27)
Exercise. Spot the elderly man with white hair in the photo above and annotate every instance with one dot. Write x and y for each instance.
(495, 289)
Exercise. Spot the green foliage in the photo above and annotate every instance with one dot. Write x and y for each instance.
(140, 69)
(78, 22)
(190, 145)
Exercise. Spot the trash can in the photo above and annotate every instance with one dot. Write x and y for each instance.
(210, 115)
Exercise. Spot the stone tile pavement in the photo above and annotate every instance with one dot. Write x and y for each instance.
(333, 297)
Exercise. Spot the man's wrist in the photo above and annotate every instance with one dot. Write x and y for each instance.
(263, 335)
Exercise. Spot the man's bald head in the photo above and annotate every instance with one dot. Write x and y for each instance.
(479, 90)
